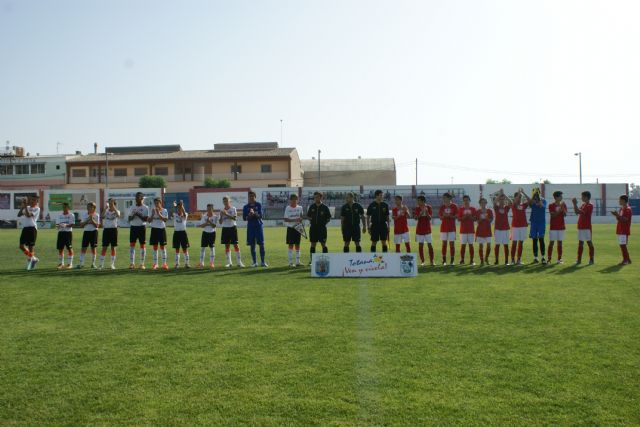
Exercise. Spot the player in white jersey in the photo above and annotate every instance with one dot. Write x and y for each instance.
(158, 218)
(228, 215)
(138, 216)
(64, 223)
(90, 220)
(208, 239)
(293, 215)
(109, 224)
(28, 214)
(180, 237)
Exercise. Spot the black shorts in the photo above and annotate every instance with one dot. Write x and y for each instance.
(351, 233)
(90, 238)
(318, 233)
(110, 237)
(180, 239)
(28, 236)
(293, 237)
(379, 232)
(158, 237)
(208, 239)
(138, 233)
(229, 236)
(65, 239)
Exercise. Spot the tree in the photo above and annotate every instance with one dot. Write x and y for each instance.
(495, 181)
(544, 181)
(634, 191)
(216, 183)
(151, 181)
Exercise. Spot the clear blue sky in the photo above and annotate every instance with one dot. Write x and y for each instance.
(467, 87)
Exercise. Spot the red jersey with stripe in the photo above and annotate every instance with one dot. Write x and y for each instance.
(467, 217)
(424, 223)
(484, 222)
(584, 217)
(624, 223)
(448, 225)
(557, 222)
(519, 215)
(502, 217)
(400, 224)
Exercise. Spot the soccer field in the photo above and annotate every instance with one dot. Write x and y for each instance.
(497, 345)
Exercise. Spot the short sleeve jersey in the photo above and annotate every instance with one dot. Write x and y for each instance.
(584, 217)
(156, 222)
(292, 213)
(379, 213)
(31, 221)
(85, 216)
(557, 222)
(519, 215)
(448, 224)
(110, 219)
(319, 215)
(180, 222)
(68, 219)
(467, 225)
(502, 217)
(351, 214)
(210, 221)
(400, 224)
(484, 222)
(226, 221)
(142, 210)
(624, 224)
(423, 226)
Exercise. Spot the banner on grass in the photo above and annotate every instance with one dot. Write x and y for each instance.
(364, 264)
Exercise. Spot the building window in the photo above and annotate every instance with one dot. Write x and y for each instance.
(120, 172)
(276, 185)
(94, 172)
(236, 168)
(6, 169)
(162, 171)
(140, 171)
(265, 168)
(79, 173)
(37, 168)
(57, 167)
(22, 169)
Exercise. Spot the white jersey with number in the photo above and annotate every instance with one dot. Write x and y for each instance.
(226, 221)
(293, 213)
(68, 220)
(85, 216)
(31, 221)
(180, 222)
(212, 220)
(156, 222)
(142, 210)
(110, 219)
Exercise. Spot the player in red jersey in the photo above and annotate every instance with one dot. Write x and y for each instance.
(501, 207)
(467, 217)
(518, 224)
(584, 213)
(400, 215)
(557, 212)
(422, 215)
(447, 213)
(623, 229)
(483, 230)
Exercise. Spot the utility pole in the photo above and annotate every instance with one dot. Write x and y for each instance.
(281, 125)
(580, 163)
(416, 172)
(319, 179)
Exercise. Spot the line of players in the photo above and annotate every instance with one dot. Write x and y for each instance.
(475, 226)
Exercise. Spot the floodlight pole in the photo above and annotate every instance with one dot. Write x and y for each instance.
(580, 164)
(319, 179)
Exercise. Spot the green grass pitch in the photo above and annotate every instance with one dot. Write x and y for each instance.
(529, 345)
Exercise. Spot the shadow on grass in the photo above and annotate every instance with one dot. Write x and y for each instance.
(611, 269)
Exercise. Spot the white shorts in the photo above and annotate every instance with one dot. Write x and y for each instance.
(467, 238)
(483, 240)
(584, 235)
(502, 237)
(623, 239)
(556, 235)
(519, 234)
(448, 237)
(399, 238)
(424, 238)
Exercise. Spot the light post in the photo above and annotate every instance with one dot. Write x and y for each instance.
(319, 179)
(580, 164)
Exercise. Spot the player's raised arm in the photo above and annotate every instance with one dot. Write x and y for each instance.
(576, 209)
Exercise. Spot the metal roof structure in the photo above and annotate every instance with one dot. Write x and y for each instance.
(346, 165)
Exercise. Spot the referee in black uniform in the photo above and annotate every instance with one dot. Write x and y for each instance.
(319, 216)
(378, 222)
(351, 215)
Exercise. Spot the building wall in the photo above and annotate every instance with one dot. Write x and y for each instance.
(52, 176)
(348, 178)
